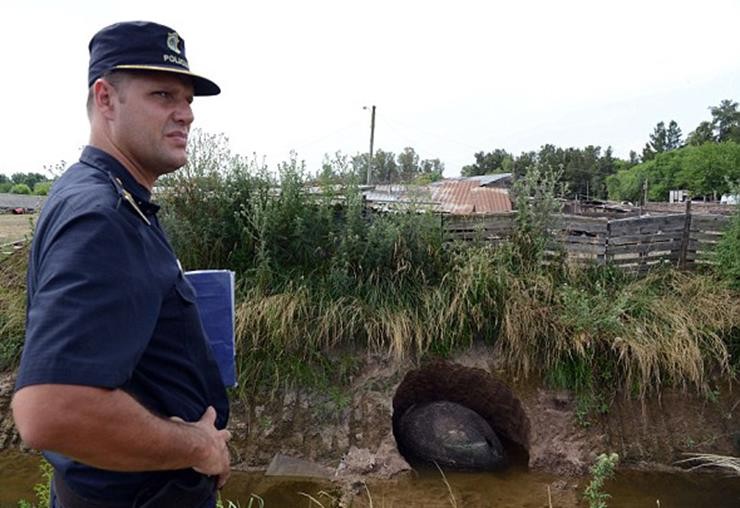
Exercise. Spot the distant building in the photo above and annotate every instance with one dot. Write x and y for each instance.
(678, 196)
(730, 199)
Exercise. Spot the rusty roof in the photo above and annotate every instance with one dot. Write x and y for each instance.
(462, 197)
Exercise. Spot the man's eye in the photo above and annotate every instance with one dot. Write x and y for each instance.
(162, 94)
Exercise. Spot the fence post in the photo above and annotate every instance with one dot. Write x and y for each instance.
(682, 262)
(606, 259)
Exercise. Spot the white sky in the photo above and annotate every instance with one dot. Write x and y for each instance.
(449, 78)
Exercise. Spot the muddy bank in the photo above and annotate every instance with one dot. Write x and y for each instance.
(349, 432)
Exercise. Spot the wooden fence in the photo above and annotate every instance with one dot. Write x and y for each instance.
(634, 244)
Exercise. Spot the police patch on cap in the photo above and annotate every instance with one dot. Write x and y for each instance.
(143, 45)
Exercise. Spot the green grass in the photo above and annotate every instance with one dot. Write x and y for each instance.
(12, 307)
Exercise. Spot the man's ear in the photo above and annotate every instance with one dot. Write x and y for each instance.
(104, 96)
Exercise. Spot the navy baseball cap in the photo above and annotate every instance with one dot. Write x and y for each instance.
(143, 45)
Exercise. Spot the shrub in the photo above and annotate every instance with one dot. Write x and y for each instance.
(42, 188)
(727, 253)
(20, 188)
(602, 470)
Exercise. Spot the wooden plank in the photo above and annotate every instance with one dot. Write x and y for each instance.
(506, 231)
(482, 232)
(647, 229)
(476, 236)
(470, 226)
(472, 221)
(588, 229)
(646, 238)
(644, 259)
(647, 254)
(712, 222)
(636, 262)
(569, 218)
(478, 224)
(647, 219)
(645, 248)
(591, 240)
(585, 248)
(592, 225)
(706, 237)
(643, 225)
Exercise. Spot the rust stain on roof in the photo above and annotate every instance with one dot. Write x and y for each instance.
(468, 197)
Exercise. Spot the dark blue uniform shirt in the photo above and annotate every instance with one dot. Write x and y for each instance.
(108, 307)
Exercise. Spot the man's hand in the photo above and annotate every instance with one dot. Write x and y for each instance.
(109, 429)
(215, 454)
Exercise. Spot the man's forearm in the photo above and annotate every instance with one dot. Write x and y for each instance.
(107, 429)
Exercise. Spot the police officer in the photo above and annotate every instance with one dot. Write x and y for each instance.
(117, 384)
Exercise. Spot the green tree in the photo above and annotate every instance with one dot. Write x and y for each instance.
(430, 171)
(487, 163)
(662, 140)
(385, 169)
(29, 179)
(704, 133)
(703, 170)
(336, 169)
(522, 163)
(606, 166)
(20, 188)
(726, 121)
(673, 136)
(408, 164)
(42, 188)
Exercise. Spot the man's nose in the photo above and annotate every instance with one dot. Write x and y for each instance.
(184, 113)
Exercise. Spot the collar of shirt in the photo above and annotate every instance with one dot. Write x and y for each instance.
(102, 161)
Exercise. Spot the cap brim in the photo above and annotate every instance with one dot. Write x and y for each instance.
(201, 85)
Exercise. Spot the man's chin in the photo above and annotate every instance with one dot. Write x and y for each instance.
(173, 165)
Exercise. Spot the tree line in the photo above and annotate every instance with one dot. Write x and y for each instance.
(706, 162)
(25, 183)
(383, 168)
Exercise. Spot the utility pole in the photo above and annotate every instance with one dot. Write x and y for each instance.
(372, 139)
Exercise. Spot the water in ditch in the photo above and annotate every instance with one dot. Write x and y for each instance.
(515, 488)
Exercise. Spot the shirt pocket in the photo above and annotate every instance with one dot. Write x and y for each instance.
(185, 289)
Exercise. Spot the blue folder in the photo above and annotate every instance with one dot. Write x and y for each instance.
(215, 299)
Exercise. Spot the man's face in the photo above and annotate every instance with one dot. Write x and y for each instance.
(152, 121)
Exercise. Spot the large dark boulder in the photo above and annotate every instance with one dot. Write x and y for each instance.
(451, 435)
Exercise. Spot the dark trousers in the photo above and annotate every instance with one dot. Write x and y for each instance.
(173, 498)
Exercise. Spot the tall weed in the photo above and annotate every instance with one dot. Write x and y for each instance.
(12, 307)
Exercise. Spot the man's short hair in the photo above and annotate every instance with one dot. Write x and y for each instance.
(115, 78)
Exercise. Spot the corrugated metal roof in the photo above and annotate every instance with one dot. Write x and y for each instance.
(467, 197)
(459, 197)
(487, 179)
